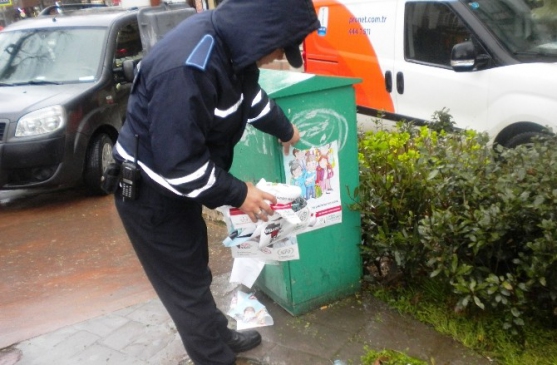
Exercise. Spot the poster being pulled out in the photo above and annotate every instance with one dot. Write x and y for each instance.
(316, 171)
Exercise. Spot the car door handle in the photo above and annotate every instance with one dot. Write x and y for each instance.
(389, 81)
(400, 83)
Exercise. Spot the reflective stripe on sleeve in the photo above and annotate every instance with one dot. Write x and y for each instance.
(263, 113)
(170, 184)
(224, 113)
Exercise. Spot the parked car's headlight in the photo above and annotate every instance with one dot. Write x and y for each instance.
(41, 121)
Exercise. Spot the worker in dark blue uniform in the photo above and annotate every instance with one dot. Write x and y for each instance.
(191, 99)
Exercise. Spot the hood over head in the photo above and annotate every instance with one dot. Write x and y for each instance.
(252, 29)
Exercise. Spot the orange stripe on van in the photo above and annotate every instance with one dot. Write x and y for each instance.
(339, 53)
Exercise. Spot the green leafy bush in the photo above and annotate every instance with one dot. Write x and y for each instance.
(449, 206)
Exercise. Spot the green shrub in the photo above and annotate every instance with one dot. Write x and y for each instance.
(450, 207)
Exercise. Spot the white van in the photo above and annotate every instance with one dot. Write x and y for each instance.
(491, 63)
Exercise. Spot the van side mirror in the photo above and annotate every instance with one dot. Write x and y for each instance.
(463, 56)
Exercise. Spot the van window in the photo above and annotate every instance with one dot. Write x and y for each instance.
(526, 29)
(431, 31)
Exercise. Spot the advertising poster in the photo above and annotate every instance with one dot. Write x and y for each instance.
(283, 250)
(248, 311)
(316, 172)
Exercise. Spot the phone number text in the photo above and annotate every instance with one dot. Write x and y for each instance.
(359, 31)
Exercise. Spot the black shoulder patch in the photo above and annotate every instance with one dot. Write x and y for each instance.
(200, 55)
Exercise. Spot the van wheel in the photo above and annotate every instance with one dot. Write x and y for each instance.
(522, 138)
(99, 156)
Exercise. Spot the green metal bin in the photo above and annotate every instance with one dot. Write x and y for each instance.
(324, 110)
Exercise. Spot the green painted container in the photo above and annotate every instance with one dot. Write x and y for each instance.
(324, 110)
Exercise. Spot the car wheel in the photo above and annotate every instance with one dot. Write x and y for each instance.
(522, 138)
(99, 156)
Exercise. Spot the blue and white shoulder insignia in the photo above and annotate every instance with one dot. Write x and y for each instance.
(200, 55)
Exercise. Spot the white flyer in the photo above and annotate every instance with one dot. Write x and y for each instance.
(248, 311)
(283, 250)
(246, 270)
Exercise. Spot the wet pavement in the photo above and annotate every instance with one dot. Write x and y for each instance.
(73, 292)
(61, 255)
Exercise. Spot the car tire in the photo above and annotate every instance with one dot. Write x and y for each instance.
(522, 138)
(99, 156)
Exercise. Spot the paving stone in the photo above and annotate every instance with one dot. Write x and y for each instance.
(173, 353)
(51, 339)
(79, 341)
(40, 351)
(103, 326)
(151, 313)
(151, 341)
(140, 341)
(346, 315)
(284, 356)
(126, 311)
(351, 351)
(307, 337)
(98, 354)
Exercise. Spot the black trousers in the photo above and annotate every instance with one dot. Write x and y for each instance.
(170, 239)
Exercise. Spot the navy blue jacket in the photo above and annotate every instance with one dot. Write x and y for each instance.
(196, 90)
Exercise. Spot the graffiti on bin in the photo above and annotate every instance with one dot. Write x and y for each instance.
(318, 127)
(259, 140)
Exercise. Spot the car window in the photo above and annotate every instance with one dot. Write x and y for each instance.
(431, 31)
(128, 45)
(57, 55)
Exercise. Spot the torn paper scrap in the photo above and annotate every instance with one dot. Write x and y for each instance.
(246, 270)
(248, 311)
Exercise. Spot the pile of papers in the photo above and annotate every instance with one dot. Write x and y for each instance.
(292, 216)
(255, 244)
(312, 201)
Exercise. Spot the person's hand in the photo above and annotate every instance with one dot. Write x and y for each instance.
(256, 205)
(295, 138)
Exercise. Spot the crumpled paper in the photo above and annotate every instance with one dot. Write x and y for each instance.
(248, 311)
(292, 215)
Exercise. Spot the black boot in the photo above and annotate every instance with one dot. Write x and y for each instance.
(244, 341)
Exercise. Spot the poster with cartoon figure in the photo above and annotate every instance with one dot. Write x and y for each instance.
(316, 171)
